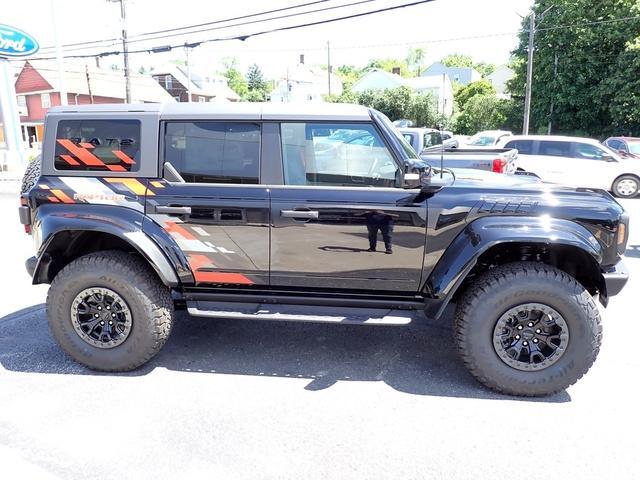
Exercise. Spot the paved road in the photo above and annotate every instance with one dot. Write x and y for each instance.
(248, 400)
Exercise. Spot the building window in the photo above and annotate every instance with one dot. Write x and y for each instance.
(22, 101)
(168, 82)
(177, 98)
(456, 77)
(202, 99)
(45, 98)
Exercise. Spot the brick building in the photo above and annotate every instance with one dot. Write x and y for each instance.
(37, 89)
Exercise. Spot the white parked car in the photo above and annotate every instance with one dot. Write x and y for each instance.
(487, 138)
(581, 162)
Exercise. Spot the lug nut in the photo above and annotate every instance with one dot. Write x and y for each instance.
(538, 330)
(108, 307)
(535, 340)
(530, 324)
(520, 327)
(96, 315)
(525, 343)
(99, 308)
(517, 337)
(113, 315)
(102, 322)
(110, 322)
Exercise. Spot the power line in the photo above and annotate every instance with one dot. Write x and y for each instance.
(137, 38)
(254, 34)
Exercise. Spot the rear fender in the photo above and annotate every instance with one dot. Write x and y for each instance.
(56, 227)
(482, 234)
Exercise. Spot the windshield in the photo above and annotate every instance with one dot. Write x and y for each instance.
(482, 140)
(406, 146)
(634, 147)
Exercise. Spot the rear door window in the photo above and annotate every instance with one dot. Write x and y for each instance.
(98, 145)
(214, 152)
(524, 147)
(554, 148)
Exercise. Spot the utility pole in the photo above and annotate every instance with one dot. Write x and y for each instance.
(125, 50)
(527, 98)
(62, 87)
(86, 71)
(555, 73)
(188, 74)
(329, 66)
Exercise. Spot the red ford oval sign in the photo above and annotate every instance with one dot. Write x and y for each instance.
(16, 43)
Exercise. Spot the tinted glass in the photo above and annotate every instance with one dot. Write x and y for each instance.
(634, 147)
(214, 152)
(98, 145)
(431, 139)
(555, 149)
(524, 147)
(335, 154)
(589, 152)
(615, 144)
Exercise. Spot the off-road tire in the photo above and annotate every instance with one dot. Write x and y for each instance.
(133, 280)
(31, 175)
(507, 286)
(625, 178)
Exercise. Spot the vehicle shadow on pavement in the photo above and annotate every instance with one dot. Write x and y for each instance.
(419, 359)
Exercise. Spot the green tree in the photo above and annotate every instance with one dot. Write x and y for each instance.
(481, 87)
(457, 60)
(388, 64)
(485, 69)
(482, 112)
(236, 81)
(585, 66)
(415, 58)
(257, 86)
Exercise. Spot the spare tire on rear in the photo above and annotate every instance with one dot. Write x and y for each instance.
(31, 175)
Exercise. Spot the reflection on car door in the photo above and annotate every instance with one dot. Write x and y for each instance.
(340, 199)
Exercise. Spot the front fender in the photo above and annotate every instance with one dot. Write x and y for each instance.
(482, 234)
(51, 221)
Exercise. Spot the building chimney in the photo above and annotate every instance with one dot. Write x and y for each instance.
(396, 70)
(302, 58)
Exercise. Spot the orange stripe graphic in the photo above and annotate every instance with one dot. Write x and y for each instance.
(62, 196)
(173, 227)
(221, 277)
(83, 154)
(53, 199)
(116, 168)
(197, 261)
(132, 184)
(124, 157)
(69, 159)
(86, 145)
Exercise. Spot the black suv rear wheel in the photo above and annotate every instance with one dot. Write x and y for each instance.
(527, 329)
(109, 311)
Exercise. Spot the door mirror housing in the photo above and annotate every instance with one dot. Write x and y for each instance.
(416, 175)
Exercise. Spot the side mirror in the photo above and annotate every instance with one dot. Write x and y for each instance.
(412, 180)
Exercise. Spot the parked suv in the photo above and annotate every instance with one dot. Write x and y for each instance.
(625, 146)
(319, 213)
(581, 162)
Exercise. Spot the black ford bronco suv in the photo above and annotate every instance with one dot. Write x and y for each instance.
(316, 213)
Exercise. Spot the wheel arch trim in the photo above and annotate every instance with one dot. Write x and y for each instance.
(485, 233)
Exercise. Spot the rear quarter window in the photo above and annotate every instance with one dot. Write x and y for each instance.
(98, 145)
(524, 147)
(554, 148)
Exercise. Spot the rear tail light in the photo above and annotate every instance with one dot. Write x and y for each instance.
(498, 165)
(25, 213)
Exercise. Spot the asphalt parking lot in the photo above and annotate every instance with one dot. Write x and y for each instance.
(248, 400)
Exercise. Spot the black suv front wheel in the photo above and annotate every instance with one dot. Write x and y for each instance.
(109, 312)
(527, 329)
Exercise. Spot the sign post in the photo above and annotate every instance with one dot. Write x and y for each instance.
(13, 43)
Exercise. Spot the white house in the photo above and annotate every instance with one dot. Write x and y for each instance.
(439, 86)
(499, 78)
(463, 75)
(305, 83)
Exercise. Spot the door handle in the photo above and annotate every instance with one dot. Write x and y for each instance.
(308, 214)
(173, 209)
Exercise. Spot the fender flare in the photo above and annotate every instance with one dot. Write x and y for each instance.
(484, 233)
(123, 223)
